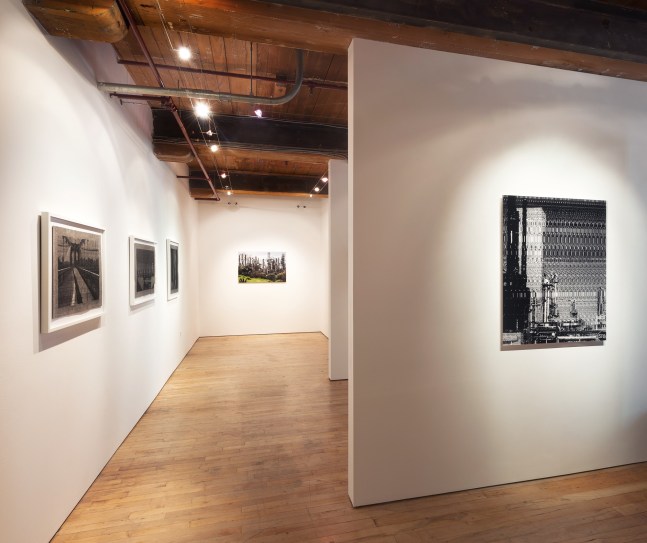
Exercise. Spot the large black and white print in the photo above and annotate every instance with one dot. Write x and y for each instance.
(76, 273)
(142, 270)
(554, 270)
(71, 272)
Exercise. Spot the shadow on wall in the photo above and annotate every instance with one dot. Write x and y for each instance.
(47, 341)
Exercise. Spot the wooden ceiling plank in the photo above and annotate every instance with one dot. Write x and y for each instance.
(322, 100)
(338, 69)
(325, 105)
(191, 80)
(238, 57)
(157, 43)
(128, 49)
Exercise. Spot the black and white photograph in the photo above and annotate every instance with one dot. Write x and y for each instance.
(172, 271)
(554, 271)
(71, 272)
(142, 270)
(261, 267)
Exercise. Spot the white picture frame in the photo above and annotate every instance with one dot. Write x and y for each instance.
(142, 270)
(172, 269)
(72, 264)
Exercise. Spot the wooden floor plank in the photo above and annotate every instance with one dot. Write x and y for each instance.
(247, 442)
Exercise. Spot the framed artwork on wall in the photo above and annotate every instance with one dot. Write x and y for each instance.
(261, 267)
(71, 265)
(554, 271)
(172, 269)
(142, 270)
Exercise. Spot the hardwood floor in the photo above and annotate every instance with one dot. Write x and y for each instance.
(247, 442)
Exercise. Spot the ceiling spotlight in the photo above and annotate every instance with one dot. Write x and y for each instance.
(209, 132)
(228, 193)
(184, 53)
(324, 179)
(202, 110)
(258, 113)
(317, 189)
(223, 175)
(311, 196)
(214, 148)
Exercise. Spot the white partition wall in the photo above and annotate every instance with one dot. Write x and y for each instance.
(436, 140)
(257, 224)
(325, 242)
(68, 399)
(338, 190)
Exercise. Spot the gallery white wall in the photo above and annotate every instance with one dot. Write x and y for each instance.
(338, 347)
(436, 139)
(227, 307)
(326, 264)
(67, 400)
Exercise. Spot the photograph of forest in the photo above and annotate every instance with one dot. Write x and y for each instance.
(261, 267)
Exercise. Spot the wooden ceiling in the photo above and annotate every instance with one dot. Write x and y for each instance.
(247, 47)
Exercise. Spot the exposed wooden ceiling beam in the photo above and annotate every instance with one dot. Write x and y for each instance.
(254, 183)
(254, 133)
(584, 26)
(589, 35)
(99, 20)
(202, 195)
(169, 152)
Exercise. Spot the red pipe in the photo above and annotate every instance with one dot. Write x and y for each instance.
(168, 102)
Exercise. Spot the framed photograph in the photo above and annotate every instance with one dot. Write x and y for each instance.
(554, 271)
(71, 272)
(172, 269)
(142, 270)
(261, 267)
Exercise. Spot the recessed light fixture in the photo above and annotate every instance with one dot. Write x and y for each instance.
(258, 113)
(317, 189)
(214, 148)
(324, 179)
(223, 175)
(184, 53)
(202, 110)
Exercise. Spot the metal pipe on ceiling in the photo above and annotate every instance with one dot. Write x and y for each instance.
(307, 82)
(199, 94)
(168, 102)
